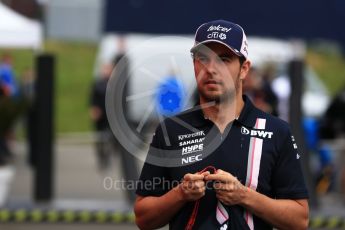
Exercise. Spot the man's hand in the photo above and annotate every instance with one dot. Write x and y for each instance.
(193, 186)
(95, 113)
(228, 189)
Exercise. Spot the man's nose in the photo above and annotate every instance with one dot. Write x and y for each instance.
(211, 66)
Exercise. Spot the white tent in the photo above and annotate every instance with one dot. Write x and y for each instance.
(17, 31)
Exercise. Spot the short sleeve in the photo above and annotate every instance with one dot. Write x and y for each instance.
(288, 180)
(153, 178)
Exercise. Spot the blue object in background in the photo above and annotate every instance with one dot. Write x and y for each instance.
(170, 97)
(7, 79)
(325, 156)
(311, 132)
(311, 127)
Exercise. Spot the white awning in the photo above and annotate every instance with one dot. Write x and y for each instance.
(17, 31)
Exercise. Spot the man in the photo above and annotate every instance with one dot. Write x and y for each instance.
(10, 106)
(8, 86)
(257, 184)
(99, 116)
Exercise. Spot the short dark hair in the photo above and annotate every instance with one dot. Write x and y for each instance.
(242, 60)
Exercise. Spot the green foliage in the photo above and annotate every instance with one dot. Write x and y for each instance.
(73, 78)
(330, 67)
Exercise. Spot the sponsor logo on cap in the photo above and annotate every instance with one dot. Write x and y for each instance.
(219, 28)
(217, 35)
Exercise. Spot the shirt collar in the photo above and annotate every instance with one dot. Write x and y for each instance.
(247, 117)
(196, 116)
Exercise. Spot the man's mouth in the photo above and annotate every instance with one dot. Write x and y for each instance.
(212, 82)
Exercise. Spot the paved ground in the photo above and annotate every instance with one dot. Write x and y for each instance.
(65, 227)
(79, 185)
(76, 174)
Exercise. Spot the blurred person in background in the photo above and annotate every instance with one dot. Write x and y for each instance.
(281, 87)
(260, 92)
(105, 137)
(27, 88)
(9, 106)
(271, 97)
(27, 84)
(325, 169)
(333, 127)
(8, 85)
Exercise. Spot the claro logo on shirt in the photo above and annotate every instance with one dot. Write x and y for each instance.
(256, 133)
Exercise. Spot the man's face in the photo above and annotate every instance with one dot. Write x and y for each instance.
(218, 72)
(106, 70)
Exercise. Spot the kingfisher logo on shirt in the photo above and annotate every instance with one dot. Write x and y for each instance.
(256, 133)
(191, 135)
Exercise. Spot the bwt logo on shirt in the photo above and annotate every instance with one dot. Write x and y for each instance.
(256, 133)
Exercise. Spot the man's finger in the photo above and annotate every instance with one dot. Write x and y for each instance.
(193, 177)
(205, 173)
(228, 187)
(217, 177)
(219, 171)
(199, 184)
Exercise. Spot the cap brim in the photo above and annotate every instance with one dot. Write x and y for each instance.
(197, 46)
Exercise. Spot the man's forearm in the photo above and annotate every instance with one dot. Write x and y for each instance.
(282, 214)
(154, 212)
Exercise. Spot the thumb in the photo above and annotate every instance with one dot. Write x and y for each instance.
(206, 173)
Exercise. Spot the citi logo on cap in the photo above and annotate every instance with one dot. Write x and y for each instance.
(217, 35)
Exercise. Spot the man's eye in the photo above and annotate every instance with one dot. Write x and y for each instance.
(225, 59)
(202, 58)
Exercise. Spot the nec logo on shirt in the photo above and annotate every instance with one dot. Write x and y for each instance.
(256, 133)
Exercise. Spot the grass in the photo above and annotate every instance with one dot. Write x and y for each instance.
(74, 76)
(330, 67)
(73, 79)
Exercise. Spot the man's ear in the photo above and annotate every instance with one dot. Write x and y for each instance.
(245, 69)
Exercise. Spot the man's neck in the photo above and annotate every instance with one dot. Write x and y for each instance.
(223, 112)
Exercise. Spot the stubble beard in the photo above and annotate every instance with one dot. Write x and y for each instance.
(228, 96)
